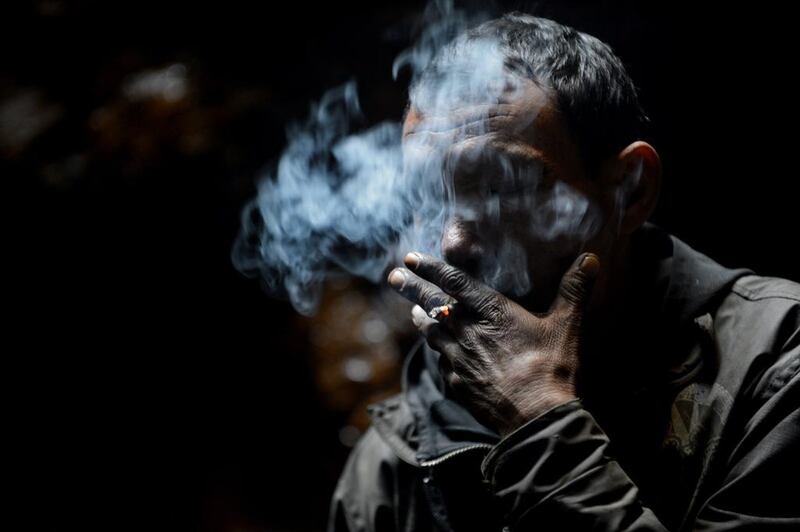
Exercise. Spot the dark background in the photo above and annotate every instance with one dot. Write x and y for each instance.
(148, 384)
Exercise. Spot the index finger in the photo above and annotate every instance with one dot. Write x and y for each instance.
(469, 292)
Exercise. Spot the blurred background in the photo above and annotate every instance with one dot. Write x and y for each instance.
(147, 384)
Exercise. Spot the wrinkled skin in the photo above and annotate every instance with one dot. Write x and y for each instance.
(497, 352)
(509, 356)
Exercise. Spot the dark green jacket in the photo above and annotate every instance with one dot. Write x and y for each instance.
(692, 423)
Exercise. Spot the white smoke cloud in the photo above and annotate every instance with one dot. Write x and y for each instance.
(344, 200)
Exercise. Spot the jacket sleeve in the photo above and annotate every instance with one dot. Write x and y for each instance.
(554, 473)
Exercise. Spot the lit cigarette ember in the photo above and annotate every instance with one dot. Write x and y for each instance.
(443, 310)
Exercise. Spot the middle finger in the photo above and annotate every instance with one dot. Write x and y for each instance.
(417, 290)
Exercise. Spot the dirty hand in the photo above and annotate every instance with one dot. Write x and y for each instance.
(506, 364)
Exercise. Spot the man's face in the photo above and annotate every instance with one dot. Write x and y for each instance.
(518, 206)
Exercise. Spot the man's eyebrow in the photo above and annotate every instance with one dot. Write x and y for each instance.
(524, 153)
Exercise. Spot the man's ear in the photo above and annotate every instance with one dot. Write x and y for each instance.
(639, 178)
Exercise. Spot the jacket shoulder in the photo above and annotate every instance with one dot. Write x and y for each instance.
(365, 487)
(758, 288)
(374, 492)
(761, 313)
(757, 333)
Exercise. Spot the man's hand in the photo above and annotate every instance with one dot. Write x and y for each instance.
(507, 364)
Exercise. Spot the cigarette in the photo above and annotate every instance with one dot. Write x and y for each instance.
(443, 311)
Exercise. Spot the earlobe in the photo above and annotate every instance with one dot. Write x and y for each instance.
(640, 186)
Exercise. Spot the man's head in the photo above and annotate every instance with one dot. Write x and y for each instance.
(533, 129)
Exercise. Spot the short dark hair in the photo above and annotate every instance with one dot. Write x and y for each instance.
(592, 89)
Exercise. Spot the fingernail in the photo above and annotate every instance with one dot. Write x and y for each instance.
(590, 264)
(418, 315)
(397, 278)
(413, 259)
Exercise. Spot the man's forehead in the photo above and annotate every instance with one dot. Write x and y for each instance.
(524, 117)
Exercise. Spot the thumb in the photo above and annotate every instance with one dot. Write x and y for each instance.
(576, 285)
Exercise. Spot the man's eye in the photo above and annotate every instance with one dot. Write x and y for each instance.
(529, 183)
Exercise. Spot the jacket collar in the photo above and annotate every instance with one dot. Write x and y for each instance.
(443, 425)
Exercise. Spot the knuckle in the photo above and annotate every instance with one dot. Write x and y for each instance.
(573, 288)
(492, 305)
(454, 279)
(426, 297)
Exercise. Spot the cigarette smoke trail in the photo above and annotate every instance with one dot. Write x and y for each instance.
(344, 200)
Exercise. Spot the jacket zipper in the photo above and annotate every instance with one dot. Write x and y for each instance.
(451, 454)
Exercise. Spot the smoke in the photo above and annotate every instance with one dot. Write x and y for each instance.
(336, 199)
(344, 200)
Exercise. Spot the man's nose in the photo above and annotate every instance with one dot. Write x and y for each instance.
(460, 244)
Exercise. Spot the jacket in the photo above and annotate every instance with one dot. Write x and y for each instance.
(693, 423)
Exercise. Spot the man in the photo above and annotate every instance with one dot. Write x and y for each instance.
(609, 377)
